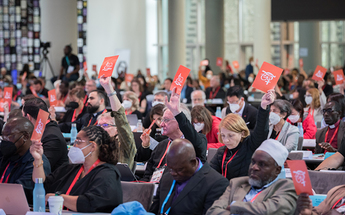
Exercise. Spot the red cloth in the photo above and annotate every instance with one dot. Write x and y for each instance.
(331, 131)
(212, 136)
(309, 127)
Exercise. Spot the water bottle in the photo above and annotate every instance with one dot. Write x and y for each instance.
(158, 133)
(74, 133)
(139, 126)
(300, 129)
(218, 112)
(39, 196)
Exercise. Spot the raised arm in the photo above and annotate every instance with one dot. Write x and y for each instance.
(36, 150)
(114, 101)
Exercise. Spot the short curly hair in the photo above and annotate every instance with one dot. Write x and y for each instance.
(108, 146)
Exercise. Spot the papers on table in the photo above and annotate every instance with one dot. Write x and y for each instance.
(309, 142)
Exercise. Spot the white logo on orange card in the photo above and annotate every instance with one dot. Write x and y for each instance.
(7, 95)
(108, 66)
(319, 74)
(52, 98)
(179, 80)
(339, 77)
(39, 127)
(300, 177)
(267, 77)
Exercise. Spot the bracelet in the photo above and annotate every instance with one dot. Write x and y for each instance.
(145, 147)
(111, 94)
(41, 164)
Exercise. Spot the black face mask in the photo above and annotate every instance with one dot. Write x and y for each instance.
(72, 105)
(8, 148)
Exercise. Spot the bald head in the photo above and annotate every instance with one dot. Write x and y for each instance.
(20, 124)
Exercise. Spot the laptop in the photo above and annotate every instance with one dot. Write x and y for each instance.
(13, 200)
(126, 173)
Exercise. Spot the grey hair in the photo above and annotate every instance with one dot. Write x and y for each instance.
(185, 110)
(202, 92)
(284, 107)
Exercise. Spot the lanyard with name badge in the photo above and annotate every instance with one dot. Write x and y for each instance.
(157, 174)
(226, 167)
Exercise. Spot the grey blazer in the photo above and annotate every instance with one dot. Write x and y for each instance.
(288, 136)
(321, 134)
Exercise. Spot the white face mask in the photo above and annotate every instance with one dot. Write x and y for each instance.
(76, 155)
(291, 96)
(199, 126)
(308, 100)
(250, 79)
(209, 76)
(154, 103)
(234, 107)
(126, 104)
(274, 118)
(294, 118)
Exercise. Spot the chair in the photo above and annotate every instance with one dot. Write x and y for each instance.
(300, 143)
(210, 154)
(323, 181)
(141, 192)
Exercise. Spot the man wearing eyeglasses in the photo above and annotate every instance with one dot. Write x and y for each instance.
(329, 138)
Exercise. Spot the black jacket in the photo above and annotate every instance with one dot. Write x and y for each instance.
(54, 145)
(220, 94)
(248, 115)
(204, 187)
(240, 163)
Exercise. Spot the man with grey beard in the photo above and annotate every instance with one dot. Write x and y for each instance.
(262, 192)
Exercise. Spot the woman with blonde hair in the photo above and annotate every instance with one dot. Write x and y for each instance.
(131, 104)
(315, 100)
(233, 159)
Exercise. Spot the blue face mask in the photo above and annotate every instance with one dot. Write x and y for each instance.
(227, 86)
(6, 84)
(19, 86)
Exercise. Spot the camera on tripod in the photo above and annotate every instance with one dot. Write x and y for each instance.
(45, 45)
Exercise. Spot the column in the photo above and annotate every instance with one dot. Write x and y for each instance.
(176, 31)
(262, 32)
(214, 31)
(309, 44)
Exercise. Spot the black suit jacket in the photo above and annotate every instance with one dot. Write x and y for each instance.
(54, 145)
(249, 115)
(198, 195)
(220, 94)
(188, 94)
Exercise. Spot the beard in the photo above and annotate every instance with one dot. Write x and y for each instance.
(92, 109)
(259, 183)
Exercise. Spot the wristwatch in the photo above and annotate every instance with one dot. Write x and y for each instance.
(111, 94)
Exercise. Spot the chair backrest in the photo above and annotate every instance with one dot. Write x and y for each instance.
(300, 143)
(295, 155)
(141, 192)
(210, 154)
(323, 181)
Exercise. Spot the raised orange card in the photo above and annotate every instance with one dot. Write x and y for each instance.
(338, 76)
(108, 66)
(85, 66)
(204, 63)
(180, 77)
(33, 91)
(8, 96)
(40, 125)
(300, 176)
(2, 102)
(236, 64)
(301, 62)
(94, 67)
(52, 97)
(219, 61)
(267, 77)
(129, 77)
(319, 73)
(148, 72)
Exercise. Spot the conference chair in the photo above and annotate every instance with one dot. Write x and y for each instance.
(141, 192)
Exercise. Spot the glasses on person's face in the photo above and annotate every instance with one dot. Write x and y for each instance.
(78, 141)
(328, 111)
(165, 120)
(106, 125)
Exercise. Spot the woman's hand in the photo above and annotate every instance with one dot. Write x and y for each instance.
(268, 99)
(49, 195)
(36, 150)
(174, 104)
(304, 205)
(106, 84)
(52, 113)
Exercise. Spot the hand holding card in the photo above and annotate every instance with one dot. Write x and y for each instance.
(180, 77)
(52, 97)
(267, 77)
(108, 66)
(40, 125)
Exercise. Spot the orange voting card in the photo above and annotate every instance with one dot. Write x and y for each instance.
(180, 77)
(267, 77)
(319, 73)
(300, 176)
(2, 102)
(94, 67)
(204, 63)
(338, 76)
(8, 95)
(52, 97)
(85, 66)
(108, 66)
(129, 77)
(236, 64)
(33, 91)
(301, 62)
(148, 72)
(219, 61)
(40, 125)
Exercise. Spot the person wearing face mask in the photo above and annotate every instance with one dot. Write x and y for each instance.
(205, 123)
(91, 183)
(315, 100)
(237, 104)
(233, 159)
(15, 158)
(205, 80)
(131, 104)
(280, 129)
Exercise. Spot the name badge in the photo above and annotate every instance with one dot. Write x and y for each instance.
(70, 69)
(157, 175)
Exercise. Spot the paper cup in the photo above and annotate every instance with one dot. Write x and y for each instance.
(55, 204)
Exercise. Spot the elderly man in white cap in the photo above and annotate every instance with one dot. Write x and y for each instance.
(262, 192)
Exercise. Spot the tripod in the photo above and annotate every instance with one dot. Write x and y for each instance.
(44, 61)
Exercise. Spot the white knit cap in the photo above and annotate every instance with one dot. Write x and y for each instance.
(275, 149)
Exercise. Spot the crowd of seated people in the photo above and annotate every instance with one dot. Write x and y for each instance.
(251, 139)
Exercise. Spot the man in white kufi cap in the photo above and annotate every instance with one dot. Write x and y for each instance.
(261, 192)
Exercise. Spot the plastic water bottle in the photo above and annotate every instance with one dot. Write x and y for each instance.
(218, 112)
(39, 196)
(74, 133)
(139, 126)
(300, 128)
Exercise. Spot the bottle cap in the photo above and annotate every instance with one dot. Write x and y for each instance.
(39, 180)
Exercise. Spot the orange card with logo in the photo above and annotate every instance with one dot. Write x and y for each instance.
(319, 73)
(8, 95)
(267, 77)
(148, 72)
(219, 61)
(338, 76)
(2, 102)
(108, 66)
(301, 62)
(129, 77)
(180, 77)
(85, 66)
(40, 125)
(300, 176)
(236, 64)
(33, 91)
(94, 67)
(204, 63)
(52, 97)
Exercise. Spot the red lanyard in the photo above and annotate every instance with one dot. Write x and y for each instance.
(212, 95)
(160, 162)
(105, 110)
(226, 167)
(126, 113)
(336, 131)
(78, 175)
(74, 117)
(255, 196)
(3, 175)
(337, 203)
(277, 135)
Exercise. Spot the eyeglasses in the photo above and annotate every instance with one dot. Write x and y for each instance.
(236, 102)
(79, 141)
(106, 125)
(165, 120)
(328, 111)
